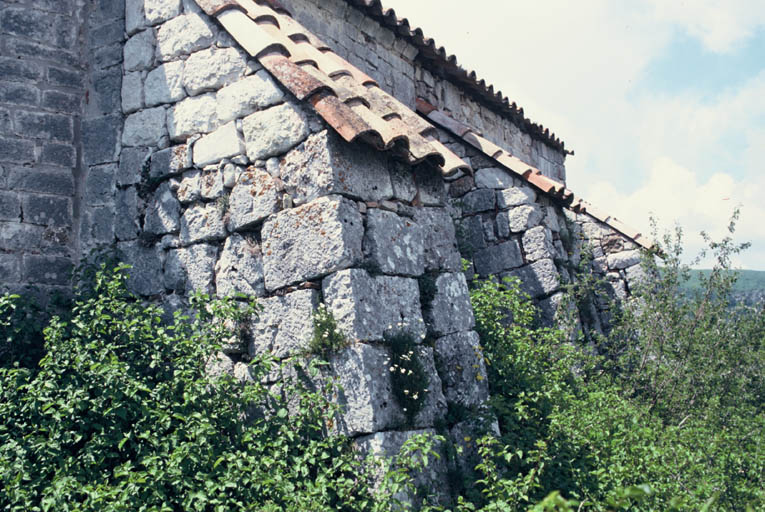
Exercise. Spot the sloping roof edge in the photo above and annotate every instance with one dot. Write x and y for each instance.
(530, 174)
(444, 63)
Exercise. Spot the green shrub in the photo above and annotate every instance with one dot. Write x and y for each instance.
(327, 338)
(407, 375)
(122, 415)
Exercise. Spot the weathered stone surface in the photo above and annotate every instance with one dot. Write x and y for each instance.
(496, 258)
(367, 396)
(324, 164)
(211, 185)
(440, 241)
(284, 326)
(430, 480)
(462, 186)
(480, 200)
(224, 142)
(254, 198)
(393, 244)
(539, 278)
(164, 84)
(460, 361)
(99, 184)
(202, 222)
(311, 241)
(249, 94)
(164, 212)
(158, 11)
(551, 219)
(144, 128)
(449, 310)
(622, 260)
(240, 268)
(126, 214)
(190, 268)
(470, 235)
(132, 92)
(493, 177)
(434, 403)
(515, 196)
(273, 131)
(135, 19)
(170, 161)
(183, 35)
(190, 187)
(368, 308)
(146, 272)
(538, 244)
(636, 276)
(430, 185)
(192, 116)
(549, 308)
(522, 218)
(402, 180)
(138, 53)
(212, 68)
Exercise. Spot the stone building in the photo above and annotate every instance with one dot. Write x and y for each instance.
(302, 152)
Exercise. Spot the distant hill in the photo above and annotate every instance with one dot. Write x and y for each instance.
(750, 287)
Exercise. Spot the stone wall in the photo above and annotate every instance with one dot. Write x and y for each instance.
(41, 90)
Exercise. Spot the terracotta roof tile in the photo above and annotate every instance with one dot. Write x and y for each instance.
(438, 61)
(343, 95)
(530, 174)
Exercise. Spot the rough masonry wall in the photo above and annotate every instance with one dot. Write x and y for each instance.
(233, 186)
(41, 90)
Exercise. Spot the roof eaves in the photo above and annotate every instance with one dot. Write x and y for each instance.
(530, 174)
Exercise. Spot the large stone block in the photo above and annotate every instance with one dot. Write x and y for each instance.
(138, 53)
(273, 131)
(538, 244)
(493, 177)
(159, 11)
(431, 189)
(480, 200)
(522, 217)
(192, 116)
(367, 396)
(132, 92)
(369, 308)
(202, 222)
(394, 245)
(311, 241)
(324, 164)
(190, 269)
(126, 214)
(170, 161)
(449, 310)
(163, 215)
(240, 268)
(100, 139)
(515, 196)
(439, 240)
(249, 94)
(539, 278)
(284, 327)
(496, 258)
(164, 84)
(183, 35)
(460, 361)
(254, 197)
(50, 270)
(146, 272)
(212, 68)
(144, 128)
(622, 260)
(224, 142)
(47, 210)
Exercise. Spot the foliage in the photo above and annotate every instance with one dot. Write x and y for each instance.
(20, 331)
(408, 378)
(122, 414)
(327, 337)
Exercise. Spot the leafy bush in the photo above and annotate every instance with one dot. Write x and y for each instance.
(122, 415)
(327, 337)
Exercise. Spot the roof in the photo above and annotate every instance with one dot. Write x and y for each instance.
(356, 107)
(436, 59)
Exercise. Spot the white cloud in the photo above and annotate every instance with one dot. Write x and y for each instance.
(722, 25)
(674, 195)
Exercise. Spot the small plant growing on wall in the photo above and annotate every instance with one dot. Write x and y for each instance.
(327, 338)
(408, 377)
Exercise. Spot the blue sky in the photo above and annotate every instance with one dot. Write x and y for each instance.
(663, 102)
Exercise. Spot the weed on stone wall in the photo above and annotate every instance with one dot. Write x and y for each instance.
(408, 377)
(327, 338)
